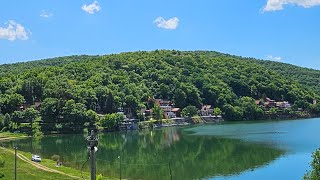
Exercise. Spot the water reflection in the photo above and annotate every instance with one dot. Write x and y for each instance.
(147, 154)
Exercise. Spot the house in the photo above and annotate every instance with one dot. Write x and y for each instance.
(259, 103)
(37, 105)
(166, 107)
(270, 103)
(128, 112)
(283, 105)
(129, 124)
(176, 112)
(23, 107)
(206, 110)
(162, 102)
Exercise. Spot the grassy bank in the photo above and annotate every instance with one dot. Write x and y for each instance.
(52, 165)
(11, 135)
(26, 171)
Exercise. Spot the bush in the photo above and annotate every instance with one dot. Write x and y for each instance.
(55, 157)
(99, 177)
(315, 165)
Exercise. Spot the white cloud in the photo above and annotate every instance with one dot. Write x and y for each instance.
(167, 24)
(91, 8)
(13, 31)
(274, 58)
(276, 5)
(46, 14)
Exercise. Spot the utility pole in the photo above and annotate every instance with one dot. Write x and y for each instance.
(92, 147)
(120, 168)
(170, 173)
(15, 162)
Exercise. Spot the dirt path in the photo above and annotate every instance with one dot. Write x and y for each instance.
(7, 138)
(37, 165)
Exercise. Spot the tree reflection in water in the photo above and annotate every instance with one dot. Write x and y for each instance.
(147, 154)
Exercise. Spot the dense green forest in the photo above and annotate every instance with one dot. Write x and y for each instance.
(71, 88)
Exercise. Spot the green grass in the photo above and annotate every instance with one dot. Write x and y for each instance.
(26, 171)
(52, 164)
(8, 134)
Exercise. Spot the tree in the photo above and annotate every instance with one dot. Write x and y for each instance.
(110, 121)
(158, 112)
(1, 121)
(92, 117)
(250, 110)
(314, 174)
(180, 98)
(217, 111)
(74, 114)
(6, 120)
(189, 111)
(1, 166)
(30, 116)
(273, 112)
(11, 102)
(232, 113)
(17, 117)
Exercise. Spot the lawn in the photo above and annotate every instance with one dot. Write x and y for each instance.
(9, 135)
(25, 171)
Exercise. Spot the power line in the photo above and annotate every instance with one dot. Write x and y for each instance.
(83, 166)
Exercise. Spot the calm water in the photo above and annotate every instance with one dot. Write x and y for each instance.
(263, 150)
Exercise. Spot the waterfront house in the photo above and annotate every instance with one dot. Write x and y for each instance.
(270, 103)
(176, 112)
(283, 105)
(162, 102)
(206, 110)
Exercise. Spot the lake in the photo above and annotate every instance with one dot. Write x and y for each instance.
(240, 150)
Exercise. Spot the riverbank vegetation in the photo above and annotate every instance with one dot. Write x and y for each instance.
(314, 173)
(69, 94)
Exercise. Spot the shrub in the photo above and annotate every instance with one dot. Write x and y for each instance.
(55, 157)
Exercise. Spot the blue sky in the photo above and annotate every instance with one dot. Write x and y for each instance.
(280, 30)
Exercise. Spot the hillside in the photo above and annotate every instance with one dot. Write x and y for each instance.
(130, 80)
(305, 76)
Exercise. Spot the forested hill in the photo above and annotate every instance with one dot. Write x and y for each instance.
(129, 80)
(305, 76)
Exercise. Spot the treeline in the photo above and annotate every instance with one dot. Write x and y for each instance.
(73, 90)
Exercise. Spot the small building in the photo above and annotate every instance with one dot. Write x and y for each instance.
(206, 110)
(270, 103)
(176, 112)
(129, 124)
(283, 105)
(162, 102)
(37, 105)
(259, 103)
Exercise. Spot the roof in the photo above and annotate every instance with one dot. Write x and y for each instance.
(175, 109)
(204, 107)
